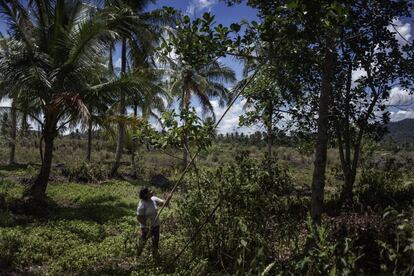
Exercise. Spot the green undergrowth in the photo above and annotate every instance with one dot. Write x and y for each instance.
(89, 229)
(260, 224)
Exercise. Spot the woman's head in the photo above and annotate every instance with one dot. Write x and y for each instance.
(145, 193)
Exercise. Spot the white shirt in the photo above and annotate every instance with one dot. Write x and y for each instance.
(148, 209)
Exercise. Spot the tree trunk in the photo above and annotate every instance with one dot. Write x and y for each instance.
(344, 142)
(318, 180)
(185, 150)
(133, 165)
(134, 143)
(13, 132)
(25, 125)
(38, 189)
(346, 192)
(111, 62)
(89, 150)
(185, 107)
(269, 129)
(122, 111)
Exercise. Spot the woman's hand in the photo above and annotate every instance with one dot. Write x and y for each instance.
(167, 197)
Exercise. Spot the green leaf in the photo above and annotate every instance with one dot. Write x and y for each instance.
(235, 27)
(243, 243)
(293, 4)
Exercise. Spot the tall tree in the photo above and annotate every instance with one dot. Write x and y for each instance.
(265, 101)
(53, 46)
(264, 105)
(359, 104)
(305, 35)
(137, 50)
(194, 69)
(13, 134)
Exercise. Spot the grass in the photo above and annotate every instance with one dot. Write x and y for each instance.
(90, 229)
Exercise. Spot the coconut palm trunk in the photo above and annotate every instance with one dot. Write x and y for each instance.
(134, 143)
(38, 189)
(122, 111)
(89, 150)
(13, 132)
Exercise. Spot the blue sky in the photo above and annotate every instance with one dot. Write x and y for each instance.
(226, 16)
(223, 15)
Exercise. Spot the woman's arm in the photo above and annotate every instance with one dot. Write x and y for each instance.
(161, 202)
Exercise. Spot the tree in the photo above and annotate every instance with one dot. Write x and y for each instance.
(194, 69)
(53, 47)
(263, 103)
(12, 110)
(152, 102)
(305, 45)
(358, 108)
(316, 31)
(137, 48)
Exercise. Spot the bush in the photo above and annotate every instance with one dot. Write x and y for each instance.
(323, 256)
(383, 188)
(237, 237)
(85, 172)
(397, 252)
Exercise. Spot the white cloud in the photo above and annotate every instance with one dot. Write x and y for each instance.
(358, 73)
(401, 30)
(5, 102)
(230, 122)
(196, 6)
(401, 115)
(117, 63)
(399, 96)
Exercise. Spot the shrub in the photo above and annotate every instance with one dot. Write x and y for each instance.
(383, 188)
(397, 252)
(85, 172)
(239, 236)
(325, 257)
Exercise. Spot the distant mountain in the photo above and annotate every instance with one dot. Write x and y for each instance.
(401, 131)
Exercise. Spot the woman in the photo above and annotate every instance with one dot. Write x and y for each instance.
(148, 219)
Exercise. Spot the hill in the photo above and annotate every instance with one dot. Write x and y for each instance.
(401, 131)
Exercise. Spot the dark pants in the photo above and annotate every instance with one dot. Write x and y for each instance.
(154, 233)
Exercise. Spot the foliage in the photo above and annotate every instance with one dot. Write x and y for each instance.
(384, 187)
(193, 67)
(263, 102)
(325, 257)
(236, 237)
(85, 172)
(199, 133)
(397, 252)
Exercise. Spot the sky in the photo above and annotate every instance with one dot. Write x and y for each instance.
(227, 15)
(223, 15)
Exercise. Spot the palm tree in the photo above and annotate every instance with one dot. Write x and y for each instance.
(151, 101)
(53, 47)
(12, 109)
(204, 82)
(136, 49)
